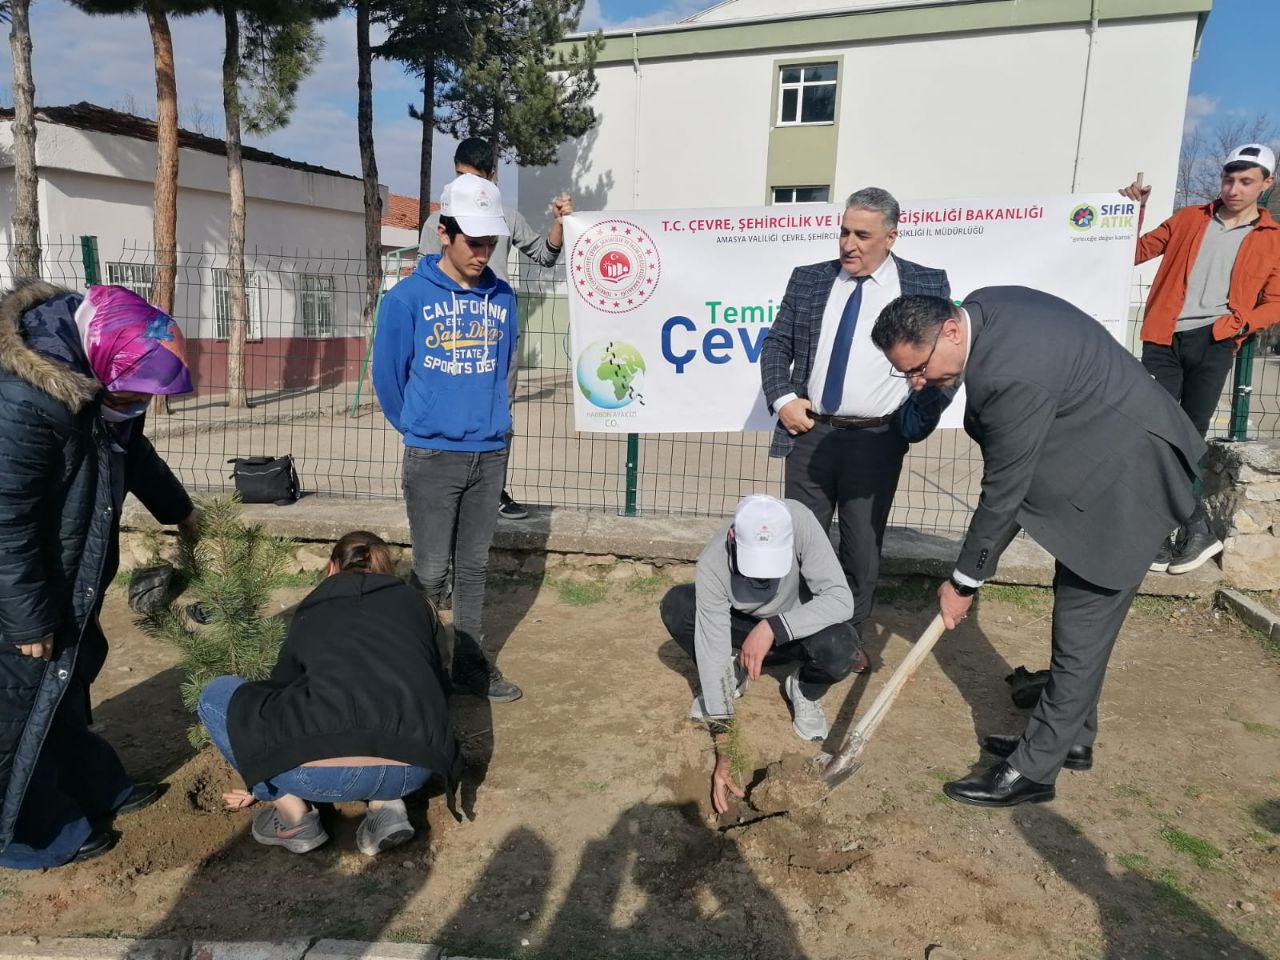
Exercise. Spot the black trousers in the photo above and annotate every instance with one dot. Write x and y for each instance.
(1193, 368)
(77, 782)
(826, 657)
(1086, 621)
(855, 472)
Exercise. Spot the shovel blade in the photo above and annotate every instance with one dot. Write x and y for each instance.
(836, 769)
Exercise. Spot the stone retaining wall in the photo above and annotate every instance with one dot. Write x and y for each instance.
(1242, 493)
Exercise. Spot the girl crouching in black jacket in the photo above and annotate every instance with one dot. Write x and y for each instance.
(355, 709)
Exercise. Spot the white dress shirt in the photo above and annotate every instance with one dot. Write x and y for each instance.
(869, 390)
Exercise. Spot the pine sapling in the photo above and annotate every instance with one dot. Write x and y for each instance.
(229, 572)
(735, 740)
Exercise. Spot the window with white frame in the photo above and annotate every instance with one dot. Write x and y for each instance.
(801, 194)
(137, 277)
(222, 304)
(317, 304)
(807, 94)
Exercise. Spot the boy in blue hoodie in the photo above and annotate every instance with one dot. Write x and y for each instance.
(440, 359)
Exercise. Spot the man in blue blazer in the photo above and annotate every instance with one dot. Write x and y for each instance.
(842, 424)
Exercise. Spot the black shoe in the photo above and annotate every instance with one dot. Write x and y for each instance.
(1078, 757)
(1197, 545)
(200, 613)
(142, 796)
(1001, 786)
(487, 682)
(508, 509)
(99, 842)
(861, 663)
(1165, 557)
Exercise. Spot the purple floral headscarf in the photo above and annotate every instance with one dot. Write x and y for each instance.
(132, 346)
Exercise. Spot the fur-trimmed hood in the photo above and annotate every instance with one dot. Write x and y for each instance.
(47, 375)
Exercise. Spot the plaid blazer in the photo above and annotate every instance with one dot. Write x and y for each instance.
(786, 358)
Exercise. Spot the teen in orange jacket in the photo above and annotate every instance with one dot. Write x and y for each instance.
(1219, 283)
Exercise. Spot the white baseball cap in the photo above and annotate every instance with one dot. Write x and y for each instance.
(764, 537)
(1258, 153)
(477, 206)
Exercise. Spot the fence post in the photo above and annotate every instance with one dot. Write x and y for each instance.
(633, 472)
(89, 257)
(1242, 386)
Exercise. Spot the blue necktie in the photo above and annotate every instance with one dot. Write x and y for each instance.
(833, 389)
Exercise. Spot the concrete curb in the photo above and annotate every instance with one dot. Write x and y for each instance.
(660, 539)
(92, 948)
(1261, 618)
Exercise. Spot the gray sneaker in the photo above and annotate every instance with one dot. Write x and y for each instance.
(301, 837)
(808, 720)
(384, 828)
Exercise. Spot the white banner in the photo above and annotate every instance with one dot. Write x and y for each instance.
(668, 309)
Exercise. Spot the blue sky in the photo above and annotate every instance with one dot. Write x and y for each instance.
(1236, 71)
(107, 60)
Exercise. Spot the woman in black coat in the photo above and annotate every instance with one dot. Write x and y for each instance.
(76, 373)
(355, 709)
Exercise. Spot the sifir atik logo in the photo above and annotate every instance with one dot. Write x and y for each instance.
(615, 266)
(1082, 217)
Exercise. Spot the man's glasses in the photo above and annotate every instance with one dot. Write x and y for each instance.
(919, 371)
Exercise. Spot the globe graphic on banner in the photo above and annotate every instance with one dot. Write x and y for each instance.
(610, 373)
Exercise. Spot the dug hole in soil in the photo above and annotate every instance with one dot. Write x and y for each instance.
(593, 837)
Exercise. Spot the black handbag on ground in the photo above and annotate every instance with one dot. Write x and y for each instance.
(266, 480)
(1025, 686)
(149, 588)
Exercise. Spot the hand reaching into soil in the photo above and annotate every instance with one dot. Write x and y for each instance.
(239, 799)
(722, 780)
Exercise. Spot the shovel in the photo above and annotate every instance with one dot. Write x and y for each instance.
(836, 769)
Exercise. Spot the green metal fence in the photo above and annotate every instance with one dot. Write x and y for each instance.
(309, 395)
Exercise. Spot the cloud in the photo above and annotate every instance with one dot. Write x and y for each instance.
(593, 18)
(1200, 106)
(114, 67)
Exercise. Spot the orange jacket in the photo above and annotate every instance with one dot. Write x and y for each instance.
(1254, 295)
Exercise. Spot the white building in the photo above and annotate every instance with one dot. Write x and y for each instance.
(304, 240)
(776, 101)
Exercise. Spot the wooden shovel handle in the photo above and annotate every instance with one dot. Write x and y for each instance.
(880, 708)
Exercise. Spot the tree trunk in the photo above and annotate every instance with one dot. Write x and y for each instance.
(26, 208)
(368, 164)
(428, 137)
(237, 396)
(165, 203)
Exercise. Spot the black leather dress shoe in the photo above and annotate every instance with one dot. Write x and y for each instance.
(142, 796)
(1001, 786)
(99, 842)
(1078, 757)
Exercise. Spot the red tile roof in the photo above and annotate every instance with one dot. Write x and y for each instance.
(402, 211)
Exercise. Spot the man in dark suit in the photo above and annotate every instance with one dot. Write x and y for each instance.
(841, 426)
(1084, 451)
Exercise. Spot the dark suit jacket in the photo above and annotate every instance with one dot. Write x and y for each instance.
(1081, 448)
(786, 358)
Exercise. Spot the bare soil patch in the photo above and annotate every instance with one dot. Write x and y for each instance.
(592, 836)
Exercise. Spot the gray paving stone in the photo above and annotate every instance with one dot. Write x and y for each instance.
(364, 950)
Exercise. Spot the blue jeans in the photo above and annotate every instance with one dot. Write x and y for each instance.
(316, 784)
(78, 782)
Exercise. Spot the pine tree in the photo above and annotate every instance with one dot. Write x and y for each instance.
(229, 572)
(519, 87)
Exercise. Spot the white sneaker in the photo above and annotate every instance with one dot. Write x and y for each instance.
(384, 828)
(808, 720)
(697, 710)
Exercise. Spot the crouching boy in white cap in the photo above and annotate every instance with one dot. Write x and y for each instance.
(768, 586)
